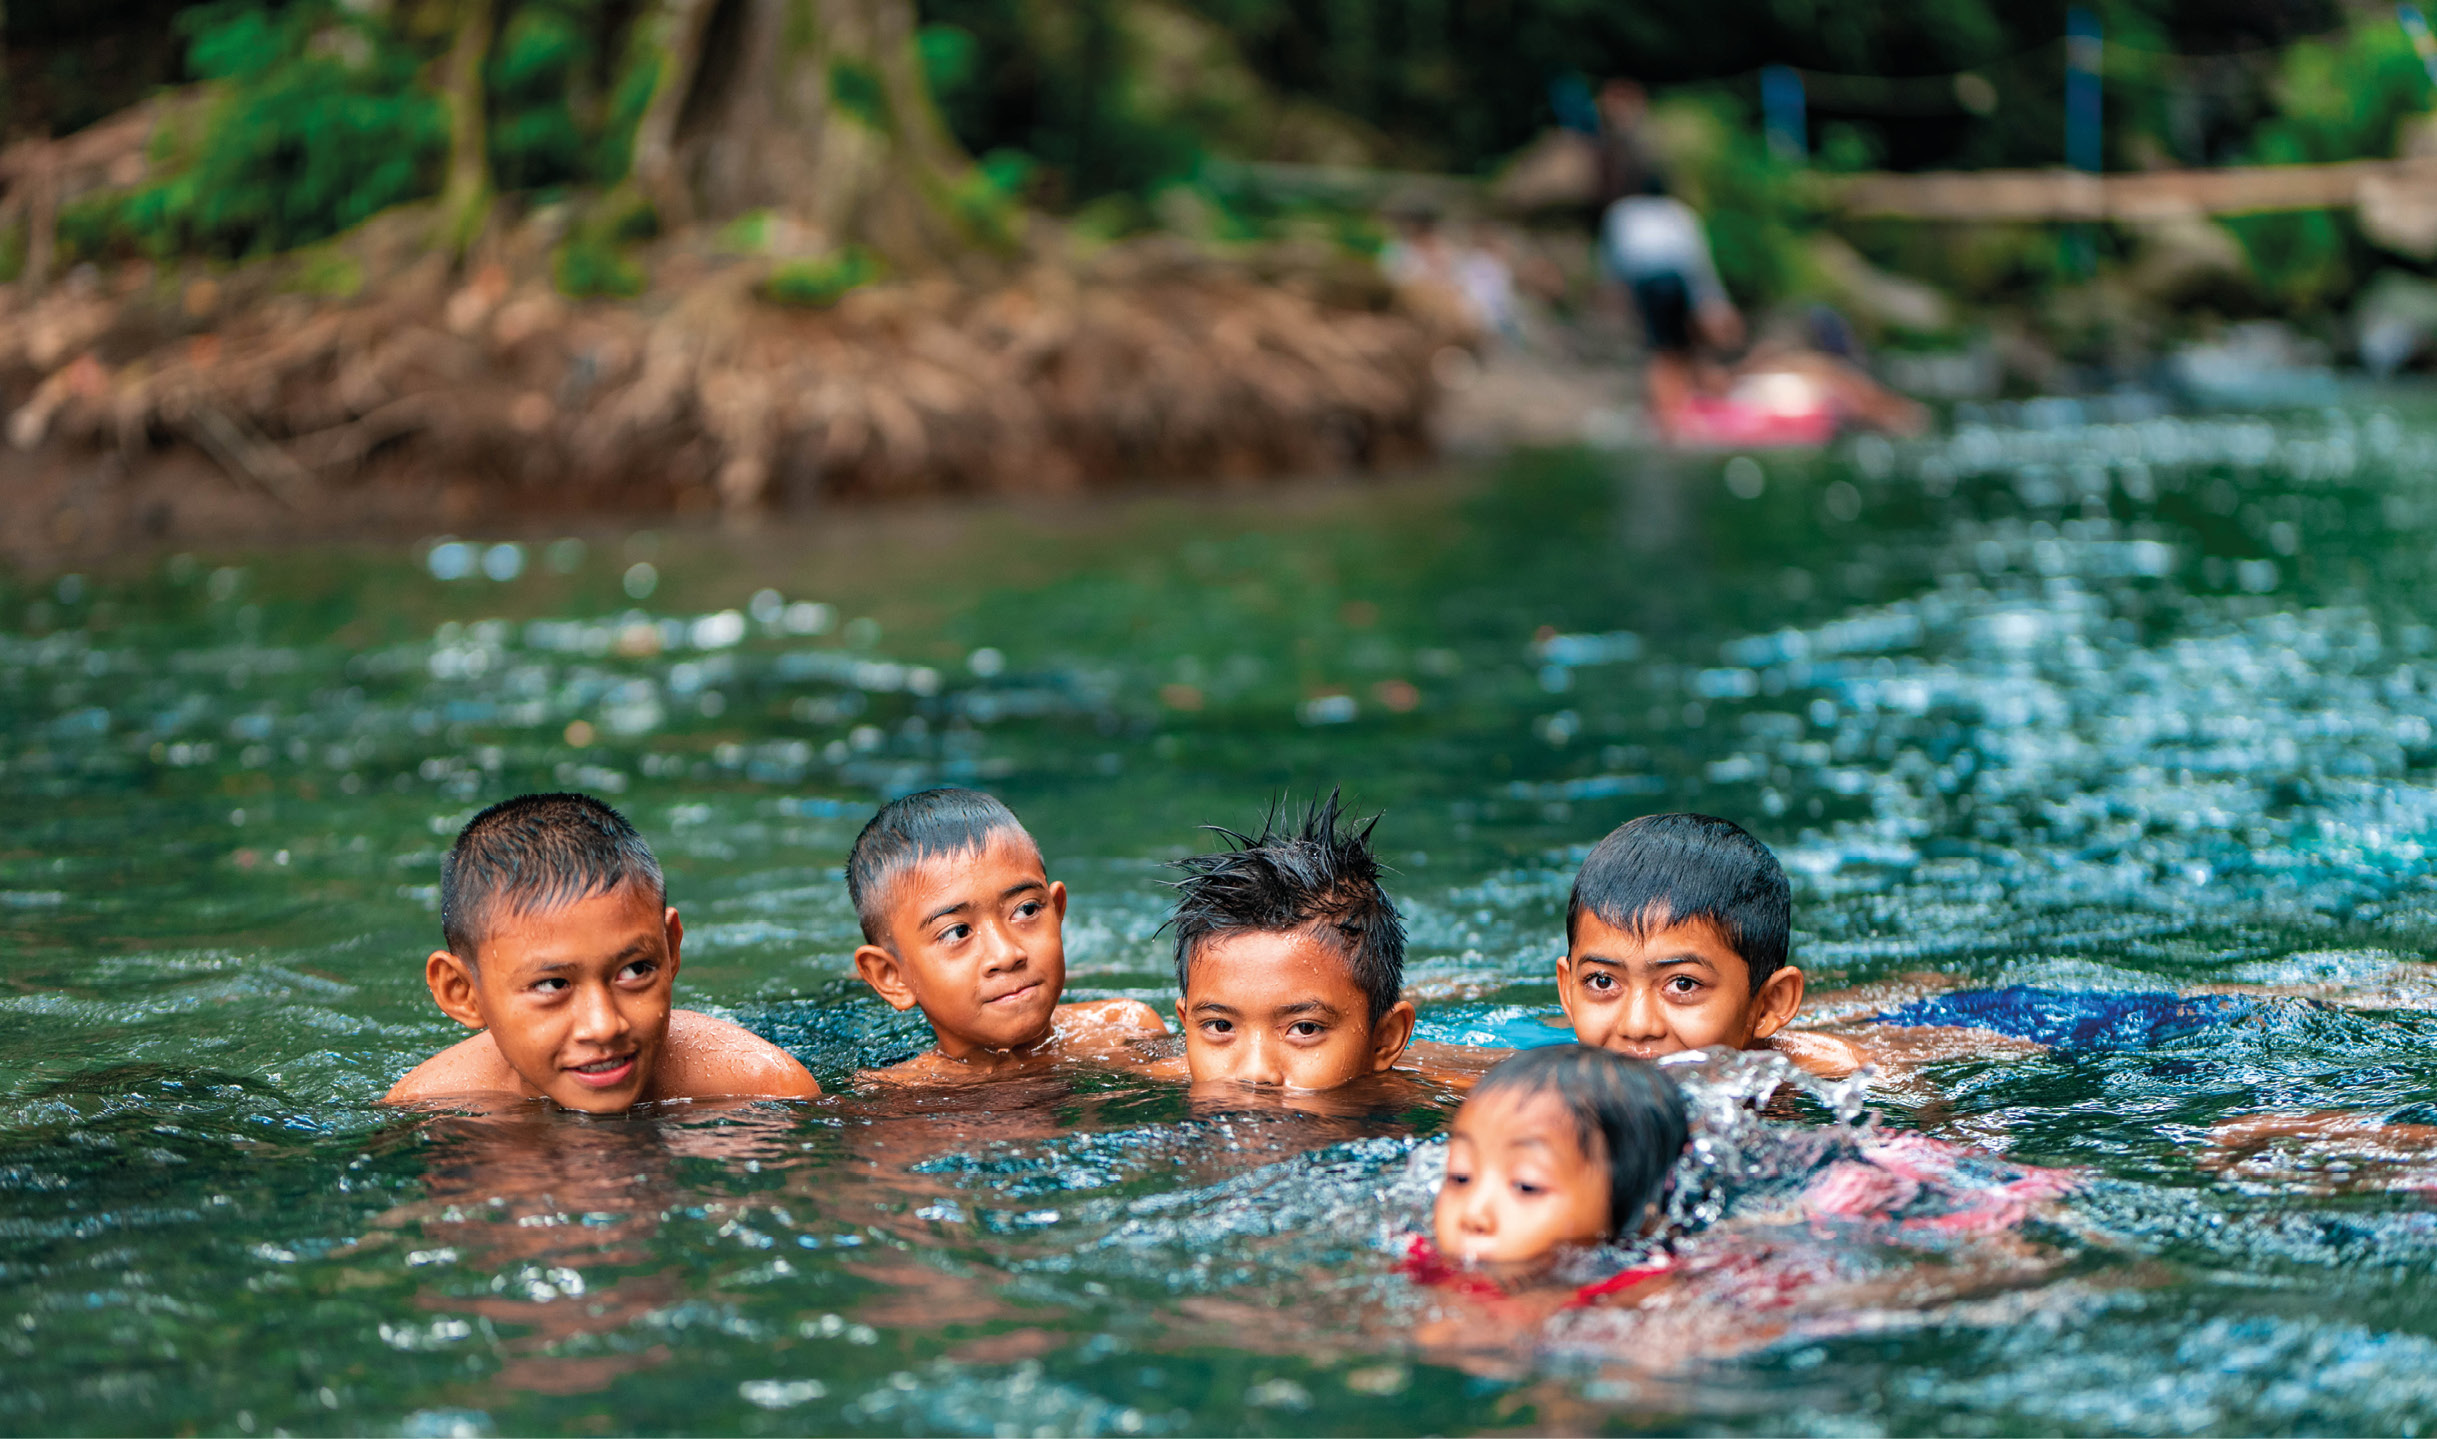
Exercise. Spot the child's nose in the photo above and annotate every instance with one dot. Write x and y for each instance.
(1643, 1017)
(1004, 952)
(596, 1015)
(1264, 1061)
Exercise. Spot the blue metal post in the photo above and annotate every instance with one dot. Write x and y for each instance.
(2084, 49)
(1781, 113)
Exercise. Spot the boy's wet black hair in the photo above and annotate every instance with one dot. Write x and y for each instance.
(538, 852)
(911, 829)
(1319, 876)
(1665, 869)
(1626, 1113)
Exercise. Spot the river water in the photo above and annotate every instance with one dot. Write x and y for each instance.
(2085, 698)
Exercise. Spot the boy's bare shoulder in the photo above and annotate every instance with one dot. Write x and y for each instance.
(928, 1067)
(709, 1058)
(1459, 1066)
(1826, 1055)
(1118, 1019)
(469, 1067)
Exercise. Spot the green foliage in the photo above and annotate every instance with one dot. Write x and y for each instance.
(593, 259)
(2336, 99)
(319, 124)
(1080, 87)
(856, 90)
(329, 272)
(1752, 202)
(988, 201)
(951, 58)
(535, 142)
(2341, 98)
(819, 283)
(591, 264)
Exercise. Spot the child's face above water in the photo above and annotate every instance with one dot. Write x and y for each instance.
(976, 941)
(1518, 1183)
(1673, 987)
(576, 998)
(1282, 1007)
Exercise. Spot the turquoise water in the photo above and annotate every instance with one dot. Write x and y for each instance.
(2069, 698)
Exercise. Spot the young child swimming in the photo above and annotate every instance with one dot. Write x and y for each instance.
(562, 950)
(961, 920)
(1290, 959)
(1568, 1145)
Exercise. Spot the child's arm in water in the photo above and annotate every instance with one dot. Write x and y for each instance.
(703, 1058)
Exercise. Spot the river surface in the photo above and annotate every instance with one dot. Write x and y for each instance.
(2084, 698)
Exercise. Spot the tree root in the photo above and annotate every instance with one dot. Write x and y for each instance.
(1149, 361)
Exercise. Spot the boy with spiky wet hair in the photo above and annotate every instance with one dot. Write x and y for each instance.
(961, 920)
(562, 950)
(1290, 958)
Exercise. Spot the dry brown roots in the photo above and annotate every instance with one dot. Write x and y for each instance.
(1148, 362)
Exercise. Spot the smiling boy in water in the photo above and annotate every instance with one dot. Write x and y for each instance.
(1676, 936)
(1290, 958)
(961, 920)
(562, 951)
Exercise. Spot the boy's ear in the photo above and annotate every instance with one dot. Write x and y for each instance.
(676, 938)
(1565, 986)
(1774, 1007)
(882, 971)
(451, 981)
(1057, 899)
(1390, 1036)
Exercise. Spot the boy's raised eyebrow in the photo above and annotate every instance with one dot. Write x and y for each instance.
(1214, 1007)
(947, 910)
(1019, 887)
(1310, 1006)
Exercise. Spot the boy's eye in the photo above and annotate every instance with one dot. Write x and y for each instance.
(1458, 1180)
(1028, 909)
(954, 932)
(1599, 979)
(640, 969)
(1525, 1186)
(1304, 1029)
(1218, 1026)
(1683, 984)
(550, 986)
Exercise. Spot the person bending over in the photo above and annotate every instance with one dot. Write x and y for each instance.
(961, 920)
(1290, 959)
(562, 950)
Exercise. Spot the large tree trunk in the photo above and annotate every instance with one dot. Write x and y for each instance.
(465, 200)
(817, 108)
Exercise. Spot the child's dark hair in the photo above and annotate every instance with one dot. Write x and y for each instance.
(537, 852)
(1665, 869)
(1319, 876)
(1625, 1112)
(911, 829)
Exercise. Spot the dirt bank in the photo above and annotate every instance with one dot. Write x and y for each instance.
(370, 385)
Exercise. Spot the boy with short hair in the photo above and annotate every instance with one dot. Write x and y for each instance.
(961, 919)
(1676, 937)
(562, 950)
(1290, 959)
